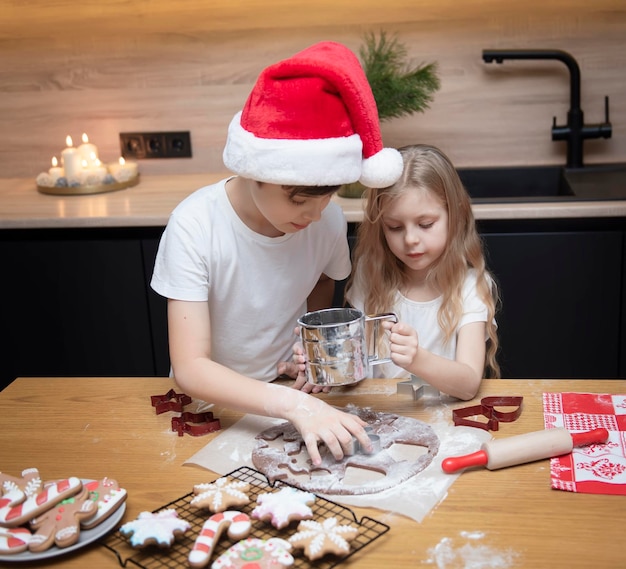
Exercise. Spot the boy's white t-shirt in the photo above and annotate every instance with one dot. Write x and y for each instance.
(256, 286)
(422, 316)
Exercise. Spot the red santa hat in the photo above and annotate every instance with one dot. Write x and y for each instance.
(311, 120)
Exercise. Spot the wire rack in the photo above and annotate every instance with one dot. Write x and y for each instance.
(176, 556)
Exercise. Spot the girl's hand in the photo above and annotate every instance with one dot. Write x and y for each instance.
(403, 343)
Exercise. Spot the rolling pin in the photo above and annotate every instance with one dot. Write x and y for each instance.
(524, 448)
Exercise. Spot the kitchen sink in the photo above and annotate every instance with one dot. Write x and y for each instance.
(544, 183)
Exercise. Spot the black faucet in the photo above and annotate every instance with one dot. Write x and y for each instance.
(576, 131)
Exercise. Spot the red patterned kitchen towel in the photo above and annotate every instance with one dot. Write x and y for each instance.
(597, 468)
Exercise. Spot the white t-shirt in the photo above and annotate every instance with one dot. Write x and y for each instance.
(422, 316)
(256, 286)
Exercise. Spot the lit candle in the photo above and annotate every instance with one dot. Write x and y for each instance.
(71, 161)
(93, 173)
(123, 171)
(88, 151)
(56, 171)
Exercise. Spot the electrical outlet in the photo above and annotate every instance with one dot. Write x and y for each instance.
(143, 145)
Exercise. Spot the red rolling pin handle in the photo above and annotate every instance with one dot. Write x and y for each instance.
(524, 448)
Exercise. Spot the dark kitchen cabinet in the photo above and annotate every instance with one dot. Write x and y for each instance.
(77, 303)
(562, 293)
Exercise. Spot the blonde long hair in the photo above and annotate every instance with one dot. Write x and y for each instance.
(427, 168)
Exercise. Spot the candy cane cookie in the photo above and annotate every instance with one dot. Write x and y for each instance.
(12, 515)
(238, 525)
(14, 540)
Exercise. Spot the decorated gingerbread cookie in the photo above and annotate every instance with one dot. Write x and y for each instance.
(282, 507)
(108, 496)
(14, 540)
(220, 495)
(238, 525)
(254, 553)
(318, 539)
(13, 514)
(160, 529)
(18, 489)
(60, 525)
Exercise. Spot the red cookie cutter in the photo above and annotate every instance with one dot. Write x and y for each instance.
(487, 409)
(171, 401)
(195, 424)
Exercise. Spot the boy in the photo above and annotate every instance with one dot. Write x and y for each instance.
(242, 259)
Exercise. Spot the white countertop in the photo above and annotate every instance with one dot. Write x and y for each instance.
(150, 202)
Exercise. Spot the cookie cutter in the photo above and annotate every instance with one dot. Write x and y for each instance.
(487, 408)
(355, 446)
(416, 387)
(195, 424)
(171, 401)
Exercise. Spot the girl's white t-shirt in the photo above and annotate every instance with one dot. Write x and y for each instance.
(422, 316)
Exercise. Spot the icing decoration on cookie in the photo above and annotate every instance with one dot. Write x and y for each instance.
(14, 540)
(22, 488)
(318, 539)
(280, 508)
(286, 457)
(61, 524)
(254, 553)
(238, 525)
(12, 515)
(159, 529)
(108, 496)
(220, 495)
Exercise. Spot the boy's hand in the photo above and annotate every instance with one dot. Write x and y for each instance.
(297, 369)
(403, 343)
(319, 422)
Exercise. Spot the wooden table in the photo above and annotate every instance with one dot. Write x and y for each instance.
(97, 427)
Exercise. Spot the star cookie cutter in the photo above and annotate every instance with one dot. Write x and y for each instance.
(171, 401)
(416, 388)
(487, 408)
(195, 424)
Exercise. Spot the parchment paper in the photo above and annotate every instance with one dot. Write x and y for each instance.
(415, 498)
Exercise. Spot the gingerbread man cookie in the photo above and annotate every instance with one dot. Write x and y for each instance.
(61, 524)
(220, 495)
(282, 507)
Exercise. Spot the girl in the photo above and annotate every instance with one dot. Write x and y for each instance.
(418, 254)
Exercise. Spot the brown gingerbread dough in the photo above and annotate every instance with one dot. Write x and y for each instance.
(288, 460)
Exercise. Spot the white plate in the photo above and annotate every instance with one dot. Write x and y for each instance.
(84, 538)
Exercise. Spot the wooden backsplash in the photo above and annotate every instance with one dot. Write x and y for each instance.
(109, 66)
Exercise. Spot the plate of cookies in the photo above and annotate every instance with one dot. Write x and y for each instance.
(41, 520)
(239, 518)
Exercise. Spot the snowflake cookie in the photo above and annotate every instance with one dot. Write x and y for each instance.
(318, 539)
(159, 529)
(220, 495)
(280, 508)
